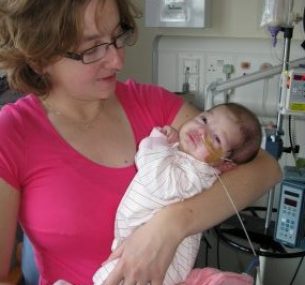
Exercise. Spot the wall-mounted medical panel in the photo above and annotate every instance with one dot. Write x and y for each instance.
(178, 13)
(207, 59)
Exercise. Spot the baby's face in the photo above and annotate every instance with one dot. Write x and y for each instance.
(211, 136)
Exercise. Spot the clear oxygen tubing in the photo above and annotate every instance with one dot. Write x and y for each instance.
(241, 222)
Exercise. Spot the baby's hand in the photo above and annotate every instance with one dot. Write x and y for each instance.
(171, 134)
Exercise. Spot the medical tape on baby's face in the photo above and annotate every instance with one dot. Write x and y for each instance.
(215, 154)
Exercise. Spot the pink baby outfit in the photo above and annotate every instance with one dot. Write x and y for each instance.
(213, 276)
(68, 203)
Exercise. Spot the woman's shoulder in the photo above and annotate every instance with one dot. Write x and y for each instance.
(146, 94)
(15, 127)
(148, 103)
(15, 114)
(21, 103)
(132, 87)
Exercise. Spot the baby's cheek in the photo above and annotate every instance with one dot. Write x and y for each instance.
(213, 154)
(213, 157)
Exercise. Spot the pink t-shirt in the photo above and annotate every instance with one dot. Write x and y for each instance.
(68, 202)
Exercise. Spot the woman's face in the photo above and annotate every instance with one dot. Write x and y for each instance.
(94, 80)
(210, 136)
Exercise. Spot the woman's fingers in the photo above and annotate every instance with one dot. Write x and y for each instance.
(140, 262)
(116, 253)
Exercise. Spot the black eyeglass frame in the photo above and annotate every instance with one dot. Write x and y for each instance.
(80, 56)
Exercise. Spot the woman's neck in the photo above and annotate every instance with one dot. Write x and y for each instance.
(82, 113)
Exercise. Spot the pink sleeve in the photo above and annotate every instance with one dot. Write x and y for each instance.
(213, 276)
(157, 106)
(11, 151)
(164, 104)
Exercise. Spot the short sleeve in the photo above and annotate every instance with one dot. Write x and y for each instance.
(164, 105)
(11, 146)
(157, 105)
(147, 106)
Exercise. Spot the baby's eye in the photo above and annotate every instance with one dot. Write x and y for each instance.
(217, 139)
(204, 119)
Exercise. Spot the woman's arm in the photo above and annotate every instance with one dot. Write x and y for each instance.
(9, 205)
(147, 253)
(245, 183)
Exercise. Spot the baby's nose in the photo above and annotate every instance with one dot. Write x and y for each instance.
(203, 131)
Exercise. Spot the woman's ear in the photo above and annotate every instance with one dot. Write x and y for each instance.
(34, 66)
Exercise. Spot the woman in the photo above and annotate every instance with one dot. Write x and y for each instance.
(67, 151)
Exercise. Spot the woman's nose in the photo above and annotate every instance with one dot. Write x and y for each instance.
(114, 58)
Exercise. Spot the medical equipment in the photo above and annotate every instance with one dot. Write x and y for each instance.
(274, 140)
(294, 103)
(177, 13)
(216, 88)
(277, 15)
(290, 226)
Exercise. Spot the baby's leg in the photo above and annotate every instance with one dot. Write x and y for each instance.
(103, 272)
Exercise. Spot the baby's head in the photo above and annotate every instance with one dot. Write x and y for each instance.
(225, 133)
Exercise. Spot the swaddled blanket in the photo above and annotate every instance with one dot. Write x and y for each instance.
(165, 175)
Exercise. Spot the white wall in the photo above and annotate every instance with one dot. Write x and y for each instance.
(230, 18)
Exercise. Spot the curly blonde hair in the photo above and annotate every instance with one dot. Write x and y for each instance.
(35, 33)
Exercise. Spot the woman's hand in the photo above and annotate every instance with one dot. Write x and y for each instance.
(146, 255)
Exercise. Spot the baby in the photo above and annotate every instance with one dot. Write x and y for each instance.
(175, 165)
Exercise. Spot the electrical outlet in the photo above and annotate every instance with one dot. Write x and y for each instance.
(192, 65)
(194, 83)
(189, 71)
(214, 67)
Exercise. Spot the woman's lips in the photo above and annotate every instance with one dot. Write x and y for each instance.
(107, 78)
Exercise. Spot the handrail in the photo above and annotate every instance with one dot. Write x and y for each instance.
(217, 87)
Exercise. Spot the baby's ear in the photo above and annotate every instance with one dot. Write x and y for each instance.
(226, 166)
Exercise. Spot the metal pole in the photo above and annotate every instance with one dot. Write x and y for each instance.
(218, 87)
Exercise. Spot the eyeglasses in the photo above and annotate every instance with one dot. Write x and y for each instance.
(93, 54)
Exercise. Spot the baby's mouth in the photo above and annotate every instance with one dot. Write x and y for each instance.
(195, 139)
